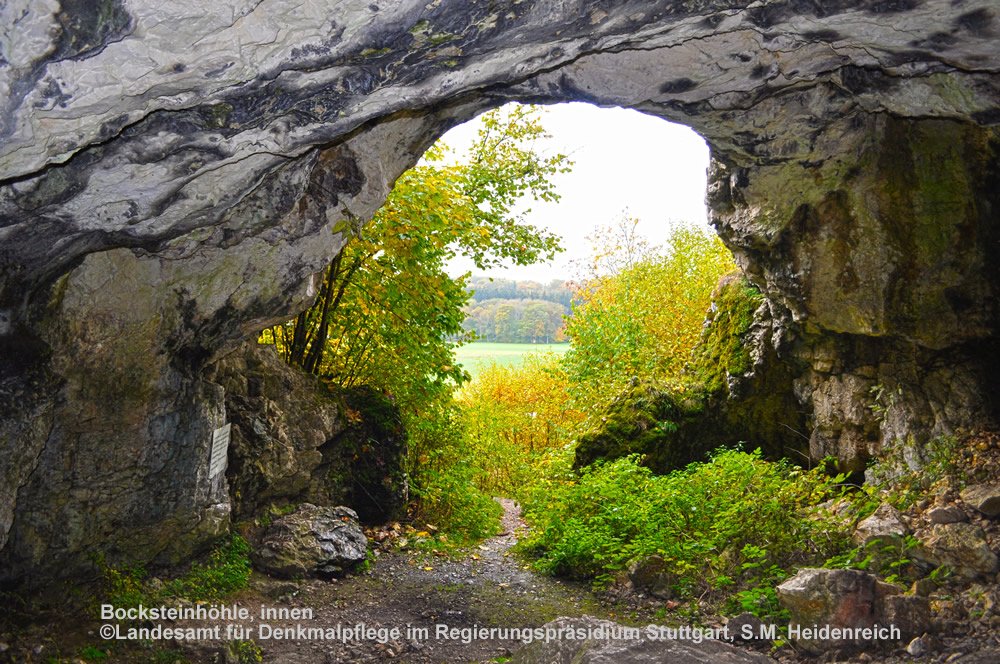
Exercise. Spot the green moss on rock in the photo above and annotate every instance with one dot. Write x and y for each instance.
(723, 350)
(726, 398)
(647, 419)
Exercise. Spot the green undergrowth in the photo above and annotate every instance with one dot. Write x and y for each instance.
(731, 527)
(444, 472)
(224, 571)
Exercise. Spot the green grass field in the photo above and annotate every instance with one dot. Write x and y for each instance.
(473, 357)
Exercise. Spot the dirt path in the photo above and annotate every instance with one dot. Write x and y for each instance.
(488, 588)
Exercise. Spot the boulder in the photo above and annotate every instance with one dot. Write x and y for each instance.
(984, 497)
(738, 388)
(917, 647)
(582, 648)
(321, 541)
(940, 514)
(885, 525)
(844, 598)
(959, 546)
(296, 438)
(652, 575)
(910, 613)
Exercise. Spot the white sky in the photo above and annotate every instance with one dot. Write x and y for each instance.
(623, 160)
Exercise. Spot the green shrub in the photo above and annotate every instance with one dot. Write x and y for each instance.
(643, 318)
(736, 522)
(511, 417)
(226, 571)
(444, 476)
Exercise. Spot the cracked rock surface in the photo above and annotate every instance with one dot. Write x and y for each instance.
(173, 175)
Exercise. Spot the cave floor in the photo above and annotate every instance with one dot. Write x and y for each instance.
(429, 599)
(488, 587)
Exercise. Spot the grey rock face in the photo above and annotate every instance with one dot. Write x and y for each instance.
(311, 541)
(960, 546)
(940, 514)
(172, 177)
(841, 598)
(983, 497)
(885, 525)
(605, 650)
(292, 443)
(281, 418)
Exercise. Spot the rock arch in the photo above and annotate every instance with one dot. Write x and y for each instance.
(170, 182)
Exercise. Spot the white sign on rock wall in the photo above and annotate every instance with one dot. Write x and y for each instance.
(220, 448)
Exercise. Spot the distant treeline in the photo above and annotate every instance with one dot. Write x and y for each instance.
(508, 311)
(556, 290)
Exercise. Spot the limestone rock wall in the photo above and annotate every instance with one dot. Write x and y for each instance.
(880, 247)
(297, 439)
(173, 174)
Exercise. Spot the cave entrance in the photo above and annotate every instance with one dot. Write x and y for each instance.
(458, 276)
(855, 176)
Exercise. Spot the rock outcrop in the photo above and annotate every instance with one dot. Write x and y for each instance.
(984, 498)
(296, 439)
(323, 541)
(959, 547)
(848, 600)
(172, 178)
(884, 527)
(738, 388)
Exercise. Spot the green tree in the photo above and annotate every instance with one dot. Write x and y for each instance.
(386, 302)
(387, 313)
(644, 317)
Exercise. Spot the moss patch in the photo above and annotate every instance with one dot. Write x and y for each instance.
(647, 419)
(722, 351)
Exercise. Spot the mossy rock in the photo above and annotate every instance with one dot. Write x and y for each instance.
(297, 438)
(734, 390)
(647, 419)
(724, 350)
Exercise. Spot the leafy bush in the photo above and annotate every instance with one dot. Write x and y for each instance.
(487, 442)
(736, 522)
(93, 654)
(126, 586)
(512, 415)
(245, 652)
(444, 472)
(644, 319)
